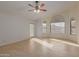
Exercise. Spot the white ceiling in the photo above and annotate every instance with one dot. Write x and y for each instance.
(21, 8)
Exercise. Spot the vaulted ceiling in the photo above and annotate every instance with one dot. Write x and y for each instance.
(21, 8)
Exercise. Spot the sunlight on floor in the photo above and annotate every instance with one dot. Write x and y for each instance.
(42, 42)
(50, 44)
(69, 43)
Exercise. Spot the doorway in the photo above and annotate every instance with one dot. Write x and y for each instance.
(32, 32)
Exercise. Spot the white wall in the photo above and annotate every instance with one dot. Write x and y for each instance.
(38, 28)
(13, 29)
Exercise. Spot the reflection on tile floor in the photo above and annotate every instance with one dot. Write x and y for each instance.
(40, 48)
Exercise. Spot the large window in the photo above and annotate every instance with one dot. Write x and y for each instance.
(57, 27)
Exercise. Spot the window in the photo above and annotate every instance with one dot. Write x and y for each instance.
(58, 27)
(72, 26)
(44, 27)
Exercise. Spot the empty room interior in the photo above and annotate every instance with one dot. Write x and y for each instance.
(39, 28)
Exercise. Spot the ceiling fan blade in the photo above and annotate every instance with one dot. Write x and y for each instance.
(43, 9)
(30, 5)
(42, 5)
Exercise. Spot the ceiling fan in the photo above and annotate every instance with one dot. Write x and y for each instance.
(37, 7)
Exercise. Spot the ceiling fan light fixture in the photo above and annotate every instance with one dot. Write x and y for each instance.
(36, 11)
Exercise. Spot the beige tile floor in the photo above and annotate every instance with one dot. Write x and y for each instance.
(40, 48)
